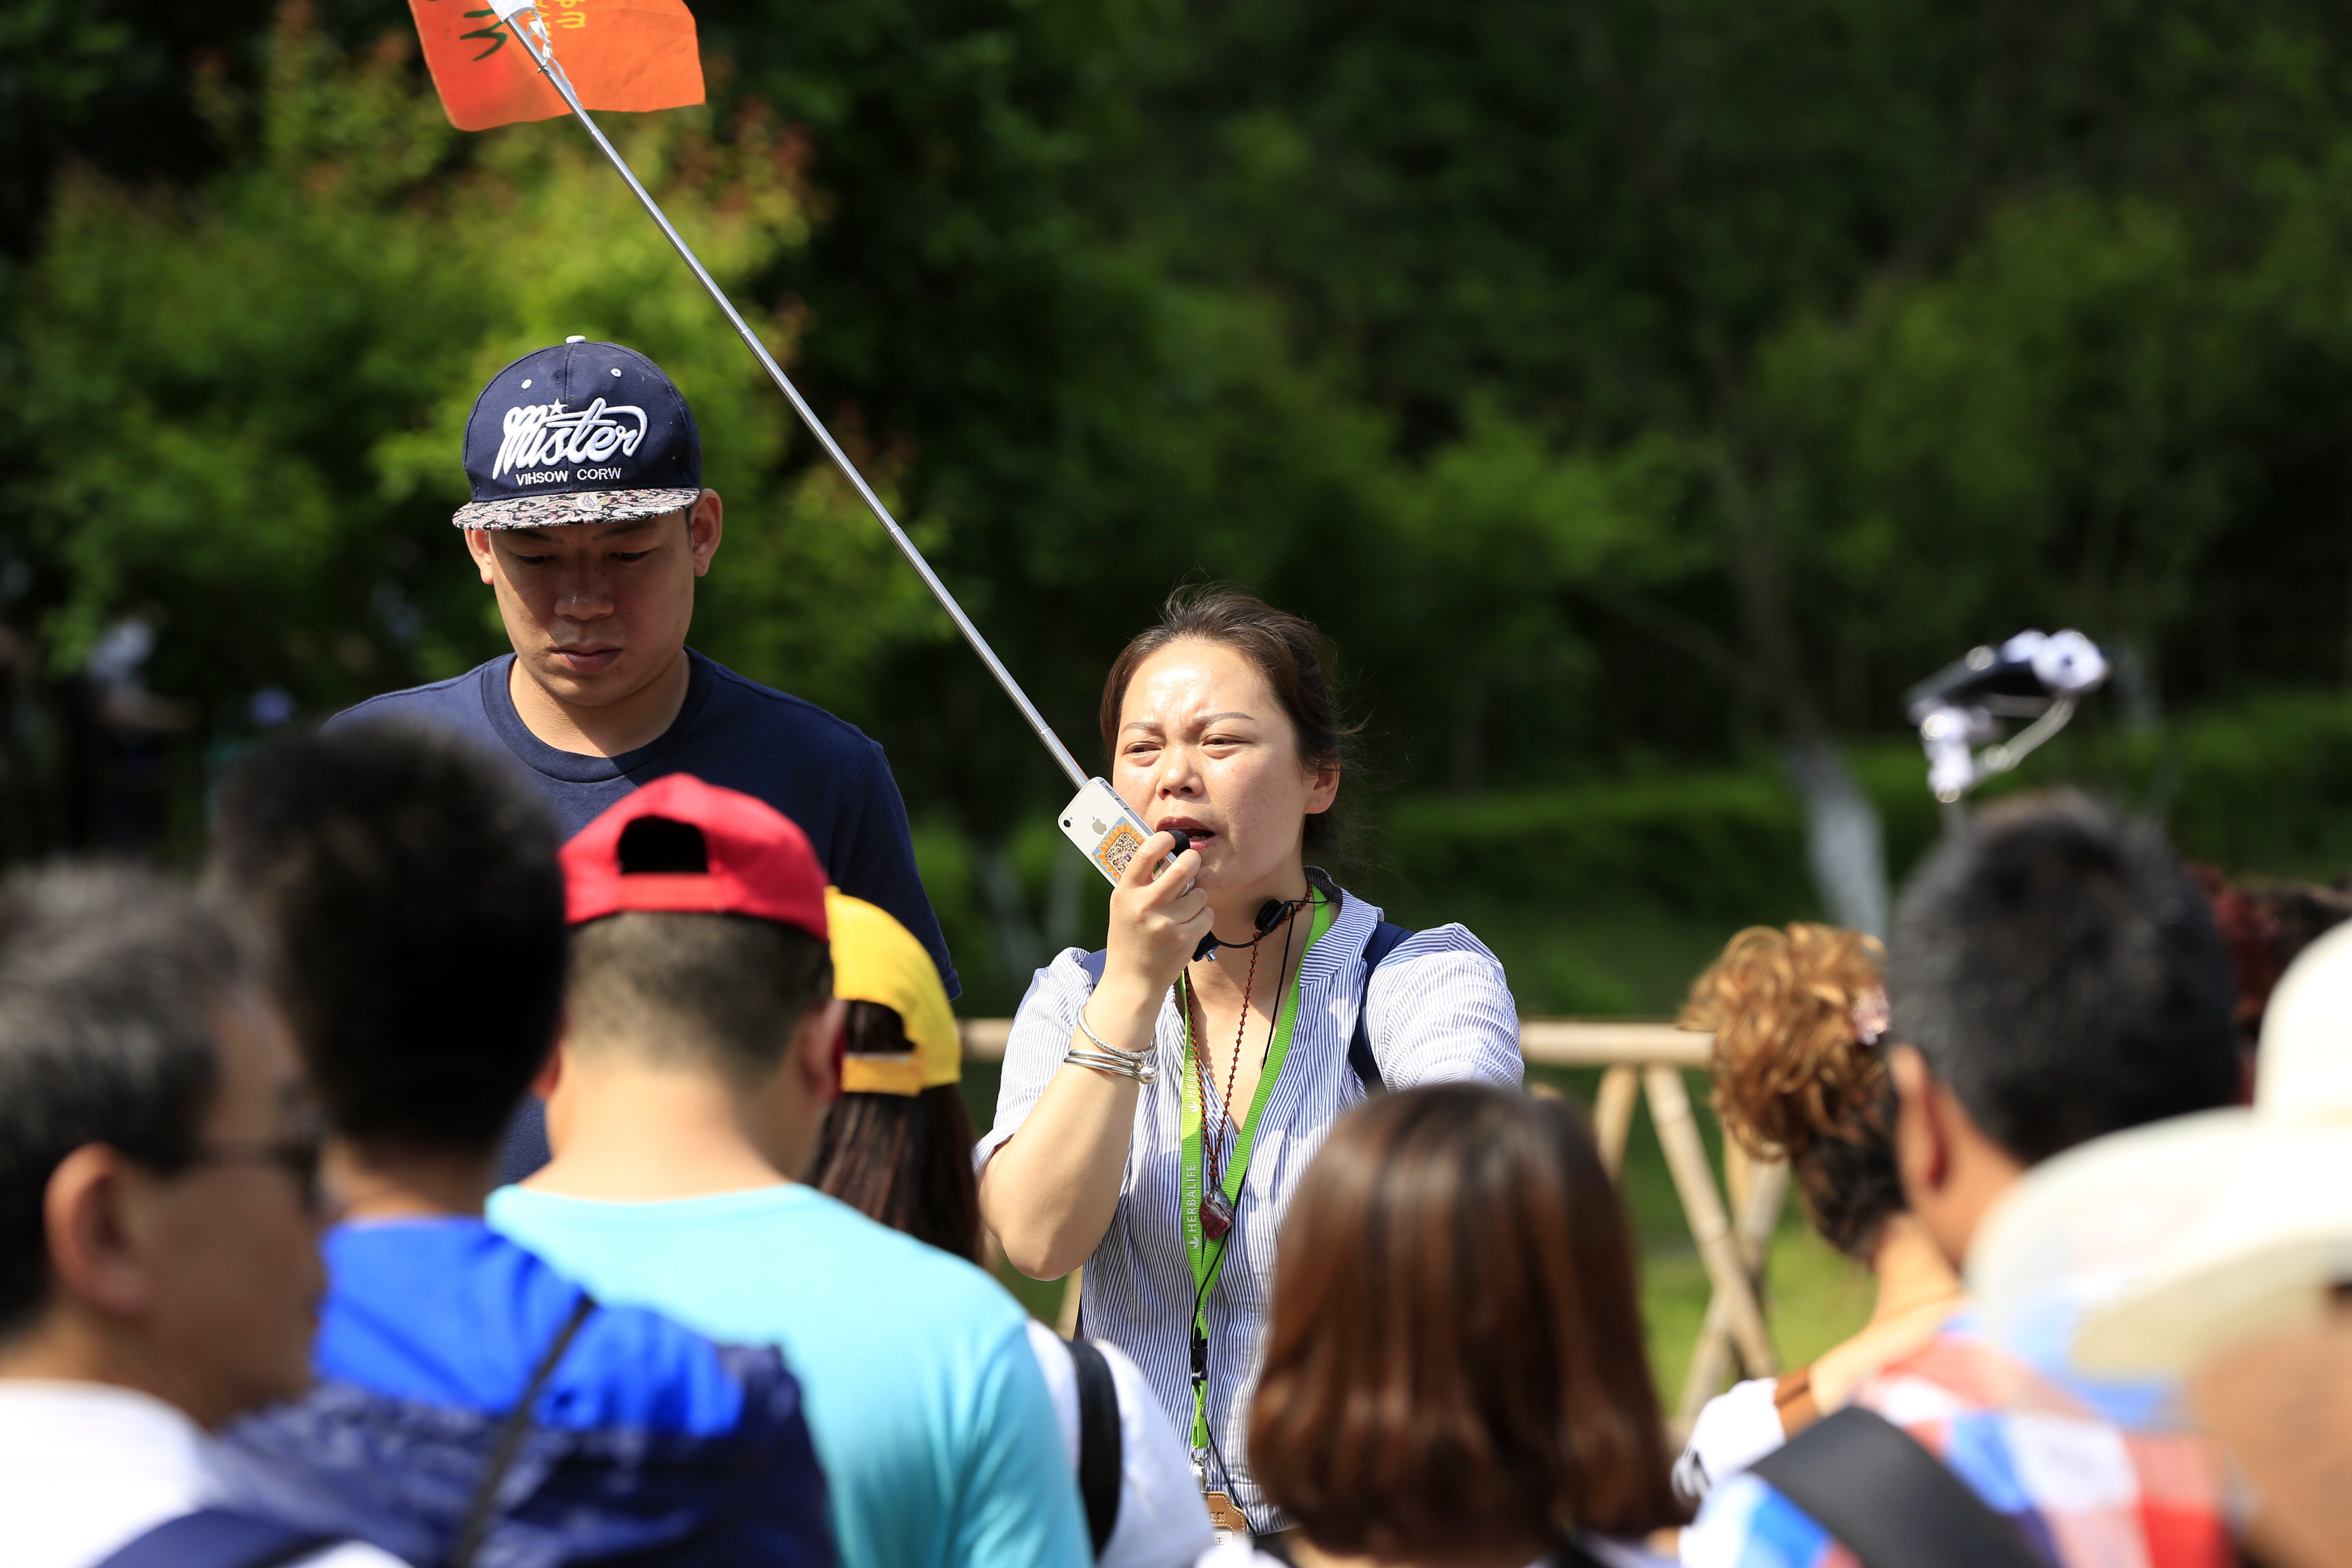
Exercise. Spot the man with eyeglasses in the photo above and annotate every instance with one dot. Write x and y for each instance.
(159, 1266)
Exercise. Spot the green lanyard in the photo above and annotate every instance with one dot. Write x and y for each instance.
(1208, 1257)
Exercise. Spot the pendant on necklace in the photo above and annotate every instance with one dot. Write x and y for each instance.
(1216, 1214)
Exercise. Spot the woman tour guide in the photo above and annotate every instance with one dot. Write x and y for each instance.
(1161, 1099)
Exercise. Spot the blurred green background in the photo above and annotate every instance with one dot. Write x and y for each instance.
(1642, 396)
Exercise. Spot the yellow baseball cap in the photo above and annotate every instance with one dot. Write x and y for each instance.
(875, 959)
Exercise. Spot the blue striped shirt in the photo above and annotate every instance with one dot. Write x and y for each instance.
(1440, 1010)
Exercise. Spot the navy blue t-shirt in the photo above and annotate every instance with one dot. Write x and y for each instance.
(822, 772)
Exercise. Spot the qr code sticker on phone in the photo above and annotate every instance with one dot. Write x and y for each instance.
(1114, 852)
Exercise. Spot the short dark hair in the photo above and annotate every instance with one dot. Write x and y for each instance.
(1289, 650)
(109, 980)
(2061, 973)
(408, 884)
(1455, 1358)
(726, 989)
(901, 1159)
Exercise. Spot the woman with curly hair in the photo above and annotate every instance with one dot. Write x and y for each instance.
(1797, 1015)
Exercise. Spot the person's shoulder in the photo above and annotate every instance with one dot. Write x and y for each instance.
(458, 699)
(739, 698)
(1960, 1371)
(490, 1308)
(952, 1289)
(1453, 941)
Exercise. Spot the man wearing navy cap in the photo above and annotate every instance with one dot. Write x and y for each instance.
(590, 522)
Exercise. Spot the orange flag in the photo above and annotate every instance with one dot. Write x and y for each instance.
(633, 54)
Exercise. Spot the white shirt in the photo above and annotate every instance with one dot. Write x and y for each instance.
(1162, 1522)
(86, 1467)
(1440, 1010)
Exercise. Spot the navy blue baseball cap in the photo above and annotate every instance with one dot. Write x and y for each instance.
(579, 433)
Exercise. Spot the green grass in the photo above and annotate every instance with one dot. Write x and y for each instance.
(1814, 1296)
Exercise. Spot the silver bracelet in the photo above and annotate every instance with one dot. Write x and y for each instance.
(1100, 1044)
(1142, 1068)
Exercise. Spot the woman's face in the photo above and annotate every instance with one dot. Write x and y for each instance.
(1205, 746)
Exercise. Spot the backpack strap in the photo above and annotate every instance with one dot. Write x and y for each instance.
(219, 1538)
(1384, 941)
(482, 1511)
(1892, 1502)
(1101, 1456)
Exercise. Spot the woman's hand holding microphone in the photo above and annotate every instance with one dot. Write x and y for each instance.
(1158, 917)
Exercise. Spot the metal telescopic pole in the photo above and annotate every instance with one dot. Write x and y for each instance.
(523, 20)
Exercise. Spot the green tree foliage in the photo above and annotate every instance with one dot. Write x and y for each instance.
(1625, 385)
(249, 399)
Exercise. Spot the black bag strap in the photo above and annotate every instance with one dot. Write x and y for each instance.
(1384, 941)
(483, 1508)
(219, 1538)
(1892, 1502)
(1101, 1450)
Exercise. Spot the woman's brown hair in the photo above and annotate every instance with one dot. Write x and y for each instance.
(1294, 657)
(1456, 1361)
(901, 1159)
(1794, 1076)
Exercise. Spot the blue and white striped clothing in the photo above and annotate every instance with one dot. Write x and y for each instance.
(1440, 1010)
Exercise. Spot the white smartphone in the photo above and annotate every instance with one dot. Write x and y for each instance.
(1104, 827)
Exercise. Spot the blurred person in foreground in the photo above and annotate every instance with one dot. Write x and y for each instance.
(2217, 1250)
(408, 884)
(159, 1266)
(1799, 1016)
(591, 526)
(2054, 977)
(1454, 1371)
(897, 1146)
(702, 1045)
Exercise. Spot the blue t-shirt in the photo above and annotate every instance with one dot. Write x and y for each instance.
(822, 772)
(939, 1440)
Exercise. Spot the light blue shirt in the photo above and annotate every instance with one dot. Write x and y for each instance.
(937, 1435)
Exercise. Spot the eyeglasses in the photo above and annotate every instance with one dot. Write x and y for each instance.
(297, 1156)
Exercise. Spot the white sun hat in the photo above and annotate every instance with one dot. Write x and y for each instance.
(2149, 1250)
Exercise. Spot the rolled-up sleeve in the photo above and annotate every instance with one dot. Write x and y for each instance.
(1441, 1011)
(1033, 1051)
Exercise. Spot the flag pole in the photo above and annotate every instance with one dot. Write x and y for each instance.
(523, 20)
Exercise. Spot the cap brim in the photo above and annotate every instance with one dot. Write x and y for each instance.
(580, 506)
(2144, 1252)
(2266, 1255)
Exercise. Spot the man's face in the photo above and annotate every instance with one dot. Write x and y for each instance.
(231, 1245)
(598, 611)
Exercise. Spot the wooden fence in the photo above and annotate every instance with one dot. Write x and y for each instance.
(1732, 1225)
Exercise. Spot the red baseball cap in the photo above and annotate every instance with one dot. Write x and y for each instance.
(682, 846)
